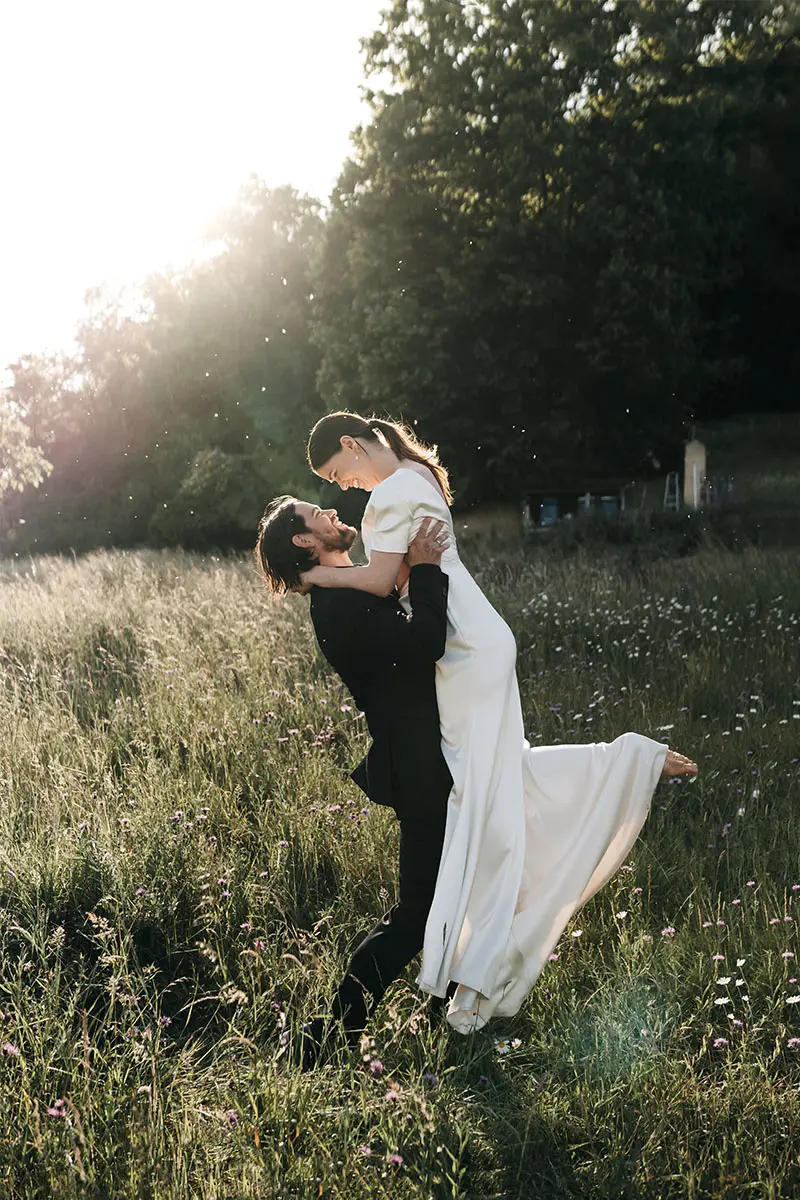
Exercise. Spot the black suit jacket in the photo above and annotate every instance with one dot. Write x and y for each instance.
(386, 659)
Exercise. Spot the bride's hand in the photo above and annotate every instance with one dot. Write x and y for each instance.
(306, 583)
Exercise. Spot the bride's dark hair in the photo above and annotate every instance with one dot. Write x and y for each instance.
(325, 440)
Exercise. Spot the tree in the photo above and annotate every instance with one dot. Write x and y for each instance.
(21, 463)
(190, 398)
(518, 253)
(754, 310)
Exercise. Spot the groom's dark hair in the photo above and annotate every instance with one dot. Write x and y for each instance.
(279, 560)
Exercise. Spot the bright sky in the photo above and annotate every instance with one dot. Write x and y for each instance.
(127, 123)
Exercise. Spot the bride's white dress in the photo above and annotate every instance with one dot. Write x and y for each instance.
(531, 833)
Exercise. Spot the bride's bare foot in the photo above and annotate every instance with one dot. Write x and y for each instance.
(678, 764)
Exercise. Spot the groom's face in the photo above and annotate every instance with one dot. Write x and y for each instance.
(325, 531)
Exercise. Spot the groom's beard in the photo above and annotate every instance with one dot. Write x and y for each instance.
(342, 540)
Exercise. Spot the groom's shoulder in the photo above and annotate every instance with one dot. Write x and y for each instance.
(326, 601)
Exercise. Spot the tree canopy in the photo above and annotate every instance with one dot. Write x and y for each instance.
(21, 464)
(568, 229)
(535, 246)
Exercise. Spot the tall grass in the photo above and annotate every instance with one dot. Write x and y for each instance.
(183, 861)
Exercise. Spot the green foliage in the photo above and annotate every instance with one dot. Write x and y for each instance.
(181, 852)
(767, 519)
(21, 464)
(189, 404)
(217, 500)
(521, 252)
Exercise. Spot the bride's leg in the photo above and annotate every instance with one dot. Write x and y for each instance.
(678, 764)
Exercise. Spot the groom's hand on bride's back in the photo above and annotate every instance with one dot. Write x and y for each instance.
(429, 544)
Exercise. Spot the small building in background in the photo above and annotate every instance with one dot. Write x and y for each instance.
(584, 497)
(687, 485)
(755, 459)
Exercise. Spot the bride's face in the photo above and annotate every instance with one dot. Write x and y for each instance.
(350, 467)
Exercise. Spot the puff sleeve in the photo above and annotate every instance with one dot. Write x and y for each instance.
(392, 517)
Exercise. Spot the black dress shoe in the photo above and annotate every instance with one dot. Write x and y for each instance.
(302, 1047)
(314, 1042)
(437, 1005)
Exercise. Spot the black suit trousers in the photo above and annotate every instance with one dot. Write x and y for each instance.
(398, 936)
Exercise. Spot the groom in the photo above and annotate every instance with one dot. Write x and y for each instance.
(386, 659)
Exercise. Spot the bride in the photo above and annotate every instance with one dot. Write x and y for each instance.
(531, 833)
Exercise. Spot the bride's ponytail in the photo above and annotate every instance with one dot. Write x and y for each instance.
(402, 441)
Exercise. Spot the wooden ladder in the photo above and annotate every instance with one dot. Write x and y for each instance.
(672, 500)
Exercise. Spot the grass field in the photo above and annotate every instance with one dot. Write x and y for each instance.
(182, 859)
